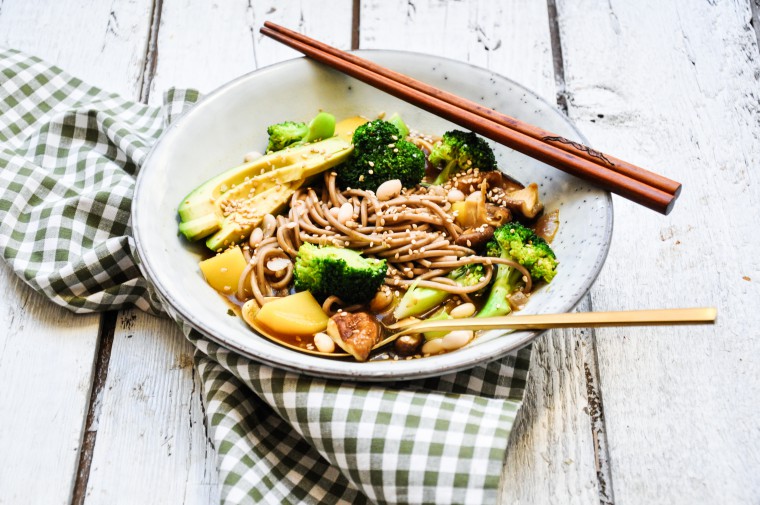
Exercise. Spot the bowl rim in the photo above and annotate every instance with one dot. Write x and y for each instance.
(484, 355)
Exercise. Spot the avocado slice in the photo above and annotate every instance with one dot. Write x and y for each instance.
(230, 205)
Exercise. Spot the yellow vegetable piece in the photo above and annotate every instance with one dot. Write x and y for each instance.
(345, 128)
(223, 271)
(298, 314)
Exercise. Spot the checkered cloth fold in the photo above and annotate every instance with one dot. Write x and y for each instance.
(68, 159)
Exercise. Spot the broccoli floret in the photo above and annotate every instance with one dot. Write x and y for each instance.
(515, 242)
(459, 150)
(292, 133)
(281, 135)
(345, 273)
(381, 154)
(419, 300)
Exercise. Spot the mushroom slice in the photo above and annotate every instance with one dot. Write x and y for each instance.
(355, 333)
(494, 179)
(497, 216)
(525, 201)
(474, 212)
(475, 238)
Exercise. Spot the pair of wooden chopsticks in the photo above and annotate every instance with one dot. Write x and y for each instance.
(629, 181)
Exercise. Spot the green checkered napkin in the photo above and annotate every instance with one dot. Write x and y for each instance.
(70, 153)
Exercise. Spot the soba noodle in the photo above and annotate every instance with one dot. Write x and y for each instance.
(414, 232)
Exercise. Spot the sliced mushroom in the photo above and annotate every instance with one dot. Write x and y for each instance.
(356, 333)
(494, 179)
(525, 201)
(406, 345)
(475, 238)
(547, 225)
(474, 212)
(496, 215)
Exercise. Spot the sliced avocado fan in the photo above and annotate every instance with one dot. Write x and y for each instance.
(228, 206)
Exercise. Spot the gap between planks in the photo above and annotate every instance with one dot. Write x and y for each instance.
(557, 58)
(590, 363)
(754, 6)
(105, 343)
(356, 14)
(151, 52)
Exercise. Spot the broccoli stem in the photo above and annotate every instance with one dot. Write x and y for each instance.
(396, 121)
(430, 335)
(445, 173)
(417, 301)
(504, 285)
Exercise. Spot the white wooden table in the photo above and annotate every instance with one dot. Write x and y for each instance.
(107, 408)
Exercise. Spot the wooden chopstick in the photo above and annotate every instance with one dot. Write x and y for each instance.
(623, 167)
(636, 184)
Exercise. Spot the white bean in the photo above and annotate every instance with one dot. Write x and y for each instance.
(456, 339)
(434, 346)
(269, 224)
(324, 343)
(257, 235)
(455, 195)
(253, 155)
(464, 310)
(345, 213)
(334, 212)
(388, 189)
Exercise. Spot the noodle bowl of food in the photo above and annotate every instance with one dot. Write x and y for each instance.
(309, 225)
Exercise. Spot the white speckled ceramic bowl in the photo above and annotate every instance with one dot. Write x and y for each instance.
(215, 134)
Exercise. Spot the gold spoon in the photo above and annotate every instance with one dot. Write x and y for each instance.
(654, 317)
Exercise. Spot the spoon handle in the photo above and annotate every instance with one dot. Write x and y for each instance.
(702, 315)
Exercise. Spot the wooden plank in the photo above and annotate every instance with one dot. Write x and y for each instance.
(673, 86)
(47, 354)
(151, 376)
(46, 361)
(231, 44)
(331, 24)
(510, 37)
(151, 421)
(102, 43)
(202, 45)
(552, 454)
